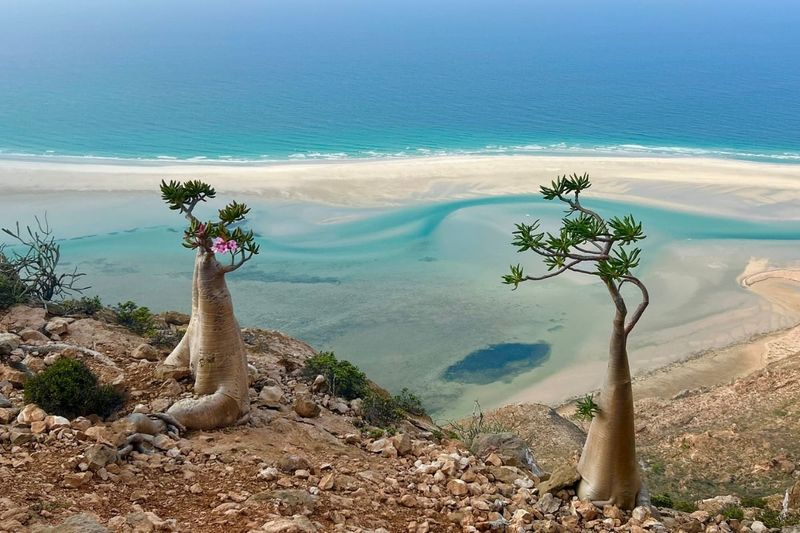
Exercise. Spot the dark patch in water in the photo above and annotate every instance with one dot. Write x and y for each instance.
(555, 328)
(497, 362)
(132, 230)
(427, 259)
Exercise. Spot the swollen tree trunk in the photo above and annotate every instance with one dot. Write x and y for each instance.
(214, 351)
(608, 468)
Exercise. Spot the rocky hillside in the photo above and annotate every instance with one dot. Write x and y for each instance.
(304, 461)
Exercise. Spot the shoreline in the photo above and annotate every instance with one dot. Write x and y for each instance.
(741, 189)
(713, 367)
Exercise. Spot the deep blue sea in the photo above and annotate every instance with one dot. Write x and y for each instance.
(278, 79)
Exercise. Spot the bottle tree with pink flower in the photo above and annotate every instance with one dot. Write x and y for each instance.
(212, 348)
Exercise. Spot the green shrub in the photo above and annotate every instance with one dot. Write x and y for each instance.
(684, 506)
(753, 501)
(662, 500)
(137, 319)
(586, 408)
(657, 467)
(12, 290)
(732, 512)
(408, 402)
(380, 410)
(166, 338)
(84, 306)
(69, 388)
(344, 378)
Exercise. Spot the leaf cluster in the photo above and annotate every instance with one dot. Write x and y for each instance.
(586, 242)
(184, 197)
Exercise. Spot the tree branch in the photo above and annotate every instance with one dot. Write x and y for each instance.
(641, 307)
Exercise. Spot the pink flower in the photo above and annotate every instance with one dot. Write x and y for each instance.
(221, 246)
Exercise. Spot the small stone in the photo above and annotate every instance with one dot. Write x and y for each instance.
(57, 326)
(548, 504)
(320, 384)
(146, 352)
(8, 343)
(32, 336)
(77, 479)
(20, 435)
(457, 487)
(306, 407)
(292, 463)
(31, 413)
(494, 459)
(402, 443)
(566, 476)
(38, 427)
(268, 474)
(196, 489)
(327, 482)
(165, 372)
(56, 422)
(271, 396)
(758, 527)
(8, 415)
(99, 455)
(295, 524)
(408, 500)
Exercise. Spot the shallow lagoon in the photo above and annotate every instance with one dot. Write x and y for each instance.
(408, 293)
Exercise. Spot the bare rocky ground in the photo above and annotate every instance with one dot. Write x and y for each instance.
(324, 471)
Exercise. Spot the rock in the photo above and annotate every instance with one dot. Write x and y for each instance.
(510, 447)
(758, 527)
(271, 396)
(327, 482)
(291, 463)
(146, 352)
(77, 479)
(38, 427)
(295, 524)
(16, 377)
(33, 336)
(548, 504)
(306, 407)
(794, 497)
(714, 505)
(165, 372)
(587, 510)
(79, 523)
(196, 489)
(20, 317)
(294, 500)
(613, 512)
(31, 413)
(147, 522)
(457, 487)
(641, 513)
(268, 474)
(402, 443)
(408, 500)
(174, 318)
(20, 435)
(8, 415)
(57, 326)
(4, 403)
(56, 422)
(8, 343)
(320, 384)
(564, 477)
(99, 455)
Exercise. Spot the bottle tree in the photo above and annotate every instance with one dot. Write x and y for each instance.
(590, 245)
(212, 347)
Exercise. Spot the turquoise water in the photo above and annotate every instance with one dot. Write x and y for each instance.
(298, 79)
(408, 293)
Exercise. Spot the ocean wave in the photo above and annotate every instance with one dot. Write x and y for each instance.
(553, 149)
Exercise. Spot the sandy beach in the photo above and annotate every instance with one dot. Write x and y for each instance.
(724, 345)
(714, 186)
